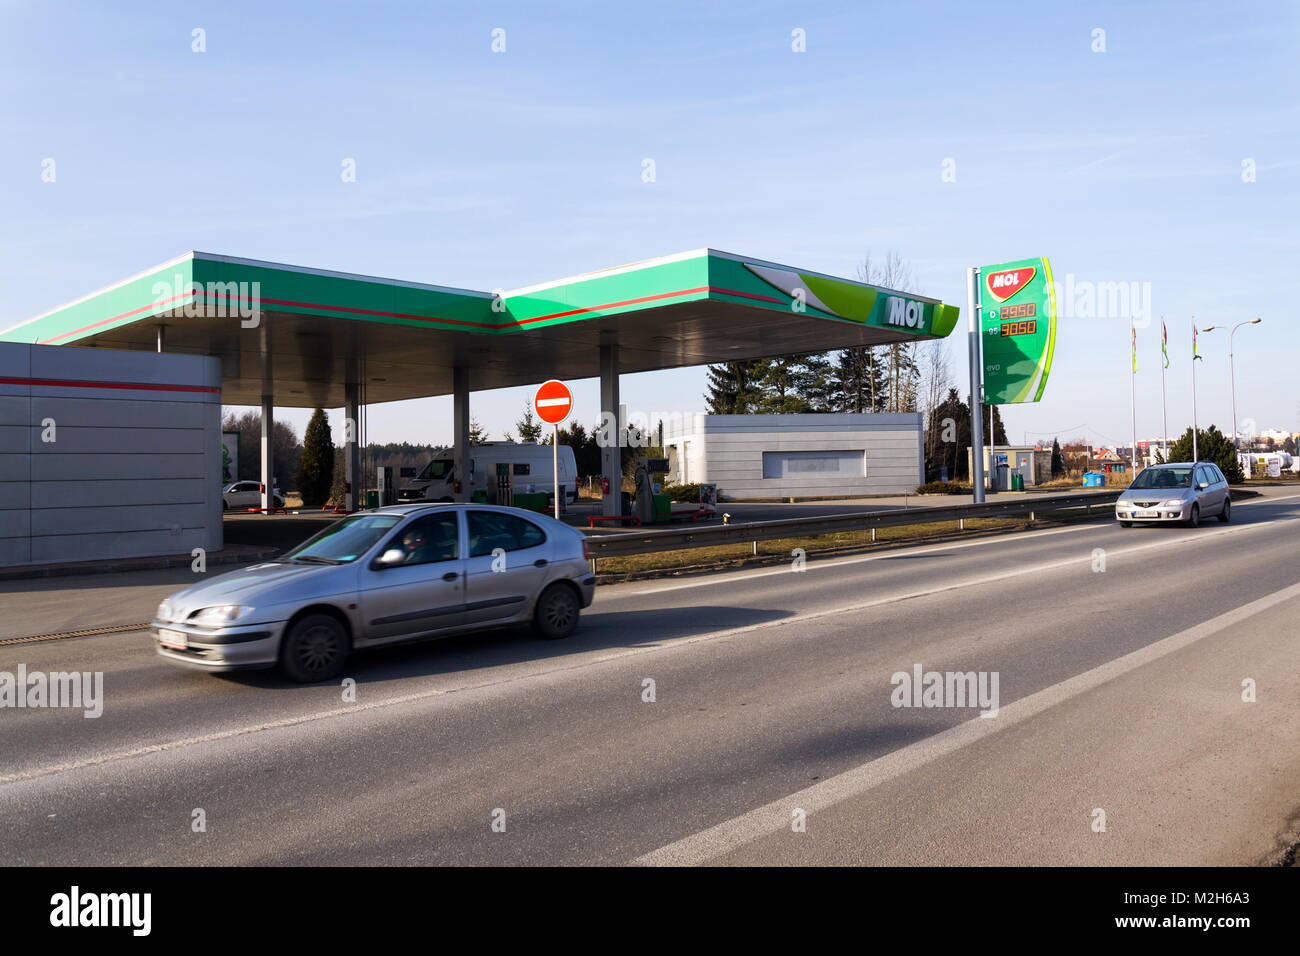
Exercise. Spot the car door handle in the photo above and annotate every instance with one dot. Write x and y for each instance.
(539, 563)
(450, 576)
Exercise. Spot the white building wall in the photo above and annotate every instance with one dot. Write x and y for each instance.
(727, 450)
(135, 465)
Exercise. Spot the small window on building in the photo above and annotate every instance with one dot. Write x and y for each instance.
(521, 469)
(814, 464)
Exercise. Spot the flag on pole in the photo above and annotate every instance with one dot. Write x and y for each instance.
(1133, 333)
(1164, 341)
(1195, 353)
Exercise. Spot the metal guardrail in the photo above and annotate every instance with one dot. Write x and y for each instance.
(675, 539)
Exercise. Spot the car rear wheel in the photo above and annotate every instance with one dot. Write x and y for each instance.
(1194, 517)
(556, 615)
(315, 649)
(1226, 514)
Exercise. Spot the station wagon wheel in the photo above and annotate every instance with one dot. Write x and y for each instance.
(1226, 514)
(557, 610)
(1194, 517)
(315, 649)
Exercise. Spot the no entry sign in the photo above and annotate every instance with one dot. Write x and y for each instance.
(553, 402)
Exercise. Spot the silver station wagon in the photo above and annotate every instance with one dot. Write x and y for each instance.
(1176, 492)
(377, 578)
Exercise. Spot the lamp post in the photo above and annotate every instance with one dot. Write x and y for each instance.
(1232, 377)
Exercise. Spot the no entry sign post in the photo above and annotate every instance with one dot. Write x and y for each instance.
(553, 404)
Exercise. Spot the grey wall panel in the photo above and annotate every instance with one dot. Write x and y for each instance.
(15, 523)
(57, 467)
(90, 547)
(15, 551)
(74, 439)
(15, 468)
(119, 412)
(14, 440)
(46, 521)
(15, 495)
(86, 493)
(14, 409)
(130, 466)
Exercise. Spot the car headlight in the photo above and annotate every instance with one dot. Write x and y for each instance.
(1174, 503)
(219, 616)
(1123, 504)
(164, 612)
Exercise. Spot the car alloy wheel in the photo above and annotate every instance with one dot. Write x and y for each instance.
(557, 612)
(1226, 514)
(1194, 517)
(315, 649)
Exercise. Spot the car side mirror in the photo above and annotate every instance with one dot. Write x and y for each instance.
(390, 557)
(1203, 485)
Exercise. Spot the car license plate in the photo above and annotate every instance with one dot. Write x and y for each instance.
(174, 639)
(1146, 514)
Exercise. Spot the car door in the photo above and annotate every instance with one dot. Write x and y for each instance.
(1205, 493)
(1220, 485)
(422, 593)
(244, 495)
(505, 567)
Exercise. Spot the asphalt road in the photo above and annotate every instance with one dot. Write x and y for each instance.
(1120, 691)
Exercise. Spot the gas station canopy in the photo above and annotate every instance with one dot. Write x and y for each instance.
(303, 335)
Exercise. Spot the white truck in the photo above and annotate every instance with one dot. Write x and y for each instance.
(526, 465)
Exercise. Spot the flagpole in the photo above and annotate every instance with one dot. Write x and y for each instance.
(1196, 455)
(1132, 393)
(1164, 398)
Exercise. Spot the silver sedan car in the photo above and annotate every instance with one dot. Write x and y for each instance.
(1182, 492)
(382, 577)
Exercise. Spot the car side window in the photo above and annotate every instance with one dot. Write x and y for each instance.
(1203, 475)
(489, 530)
(427, 539)
(1216, 474)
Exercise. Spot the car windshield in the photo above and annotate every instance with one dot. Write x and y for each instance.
(345, 541)
(1164, 478)
(435, 470)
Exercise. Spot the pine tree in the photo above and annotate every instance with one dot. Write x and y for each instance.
(529, 427)
(1058, 460)
(316, 466)
(1212, 445)
(477, 433)
(734, 387)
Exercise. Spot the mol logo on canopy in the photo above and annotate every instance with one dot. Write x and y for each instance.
(905, 312)
(1003, 285)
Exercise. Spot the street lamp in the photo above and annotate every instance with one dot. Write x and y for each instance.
(1232, 373)
(1232, 377)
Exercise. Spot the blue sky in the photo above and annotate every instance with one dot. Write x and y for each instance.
(483, 170)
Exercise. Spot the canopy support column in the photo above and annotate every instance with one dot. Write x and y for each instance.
(611, 429)
(351, 451)
(461, 452)
(268, 420)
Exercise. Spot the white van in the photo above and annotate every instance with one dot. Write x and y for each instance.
(528, 465)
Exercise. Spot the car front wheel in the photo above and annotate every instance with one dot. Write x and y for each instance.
(1194, 517)
(1226, 514)
(1126, 524)
(556, 615)
(315, 649)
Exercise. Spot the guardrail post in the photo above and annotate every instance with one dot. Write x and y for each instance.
(753, 548)
(961, 524)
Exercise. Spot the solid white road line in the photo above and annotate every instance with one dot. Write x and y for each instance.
(596, 658)
(775, 817)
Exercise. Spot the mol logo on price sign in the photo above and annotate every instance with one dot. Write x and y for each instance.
(1018, 326)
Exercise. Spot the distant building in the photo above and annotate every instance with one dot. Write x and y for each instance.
(808, 456)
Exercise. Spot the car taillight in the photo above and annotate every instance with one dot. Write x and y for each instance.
(586, 554)
(455, 487)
